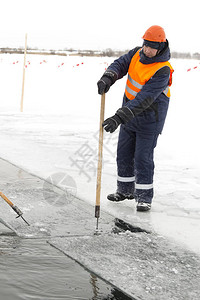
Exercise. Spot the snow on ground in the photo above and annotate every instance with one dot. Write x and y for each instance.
(58, 132)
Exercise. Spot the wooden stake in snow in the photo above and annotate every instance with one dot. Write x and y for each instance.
(100, 156)
(22, 97)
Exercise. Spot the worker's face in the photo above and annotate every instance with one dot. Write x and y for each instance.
(149, 52)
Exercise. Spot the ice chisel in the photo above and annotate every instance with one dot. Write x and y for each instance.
(14, 207)
(100, 156)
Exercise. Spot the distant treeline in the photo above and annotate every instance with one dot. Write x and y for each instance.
(110, 52)
(107, 52)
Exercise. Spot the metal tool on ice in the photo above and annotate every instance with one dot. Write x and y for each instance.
(14, 207)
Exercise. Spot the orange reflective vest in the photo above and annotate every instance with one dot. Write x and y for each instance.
(139, 74)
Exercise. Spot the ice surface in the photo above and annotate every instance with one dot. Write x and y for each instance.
(142, 265)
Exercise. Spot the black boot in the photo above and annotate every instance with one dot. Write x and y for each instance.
(142, 206)
(117, 197)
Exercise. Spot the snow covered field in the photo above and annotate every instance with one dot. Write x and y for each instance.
(58, 133)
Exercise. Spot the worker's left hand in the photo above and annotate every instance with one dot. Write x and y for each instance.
(111, 124)
(122, 116)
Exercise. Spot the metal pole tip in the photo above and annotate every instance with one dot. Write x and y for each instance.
(97, 226)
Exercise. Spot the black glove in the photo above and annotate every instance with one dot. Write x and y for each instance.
(104, 84)
(111, 124)
(122, 116)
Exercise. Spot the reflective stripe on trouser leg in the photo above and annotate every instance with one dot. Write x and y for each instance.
(125, 162)
(144, 186)
(144, 167)
(126, 179)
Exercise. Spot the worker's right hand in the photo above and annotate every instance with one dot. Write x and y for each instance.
(104, 84)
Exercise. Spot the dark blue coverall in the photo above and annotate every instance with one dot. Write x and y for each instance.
(138, 137)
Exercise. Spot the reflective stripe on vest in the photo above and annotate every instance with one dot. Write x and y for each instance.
(139, 74)
(166, 91)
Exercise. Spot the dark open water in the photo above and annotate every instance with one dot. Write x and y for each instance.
(30, 269)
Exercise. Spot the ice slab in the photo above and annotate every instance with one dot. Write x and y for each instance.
(45, 210)
(144, 266)
(7, 225)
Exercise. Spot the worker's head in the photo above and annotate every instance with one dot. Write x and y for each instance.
(154, 40)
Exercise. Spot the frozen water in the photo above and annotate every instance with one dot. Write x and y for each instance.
(60, 123)
(58, 133)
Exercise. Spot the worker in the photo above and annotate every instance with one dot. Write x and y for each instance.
(142, 115)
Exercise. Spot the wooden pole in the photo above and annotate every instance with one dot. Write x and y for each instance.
(6, 199)
(100, 156)
(23, 80)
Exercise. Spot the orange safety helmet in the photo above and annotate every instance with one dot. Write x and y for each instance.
(155, 33)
